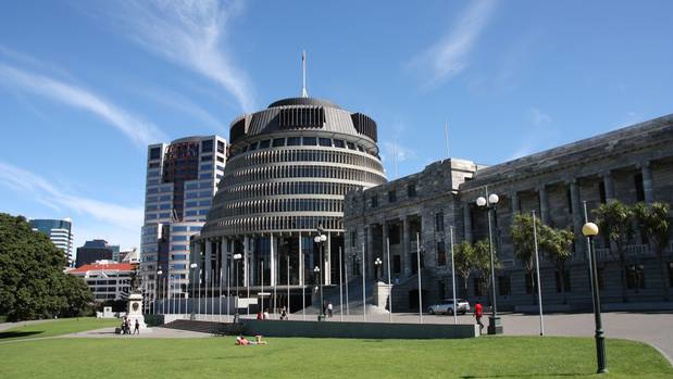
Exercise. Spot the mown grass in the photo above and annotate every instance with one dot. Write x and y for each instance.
(488, 357)
(50, 328)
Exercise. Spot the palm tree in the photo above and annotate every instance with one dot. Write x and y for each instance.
(524, 244)
(654, 222)
(616, 220)
(557, 244)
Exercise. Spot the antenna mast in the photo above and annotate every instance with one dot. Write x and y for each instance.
(304, 93)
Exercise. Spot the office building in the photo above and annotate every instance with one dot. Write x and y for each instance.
(59, 232)
(96, 250)
(182, 178)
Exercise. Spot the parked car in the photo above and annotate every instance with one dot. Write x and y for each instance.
(446, 307)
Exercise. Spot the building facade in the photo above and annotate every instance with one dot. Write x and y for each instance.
(59, 232)
(182, 178)
(437, 207)
(96, 250)
(106, 279)
(289, 168)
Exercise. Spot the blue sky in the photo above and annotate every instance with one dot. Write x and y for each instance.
(85, 86)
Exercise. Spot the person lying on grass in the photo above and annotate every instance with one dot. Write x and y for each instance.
(240, 340)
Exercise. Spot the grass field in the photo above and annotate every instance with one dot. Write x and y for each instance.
(502, 357)
(50, 328)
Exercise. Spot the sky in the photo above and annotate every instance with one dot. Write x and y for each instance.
(85, 86)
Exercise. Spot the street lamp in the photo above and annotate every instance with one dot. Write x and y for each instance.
(193, 266)
(377, 263)
(320, 239)
(236, 257)
(590, 230)
(490, 203)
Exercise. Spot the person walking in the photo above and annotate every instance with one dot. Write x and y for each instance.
(478, 313)
(136, 329)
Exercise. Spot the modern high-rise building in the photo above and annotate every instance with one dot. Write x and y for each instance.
(59, 232)
(182, 178)
(288, 170)
(95, 250)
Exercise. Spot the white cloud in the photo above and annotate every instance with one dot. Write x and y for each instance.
(450, 55)
(43, 191)
(188, 33)
(538, 117)
(140, 132)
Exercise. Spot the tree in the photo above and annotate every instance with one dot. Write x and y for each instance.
(615, 220)
(465, 261)
(557, 246)
(524, 243)
(77, 297)
(654, 222)
(32, 282)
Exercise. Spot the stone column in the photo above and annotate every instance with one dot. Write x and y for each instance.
(544, 204)
(467, 220)
(577, 215)
(648, 186)
(384, 251)
(369, 253)
(406, 247)
(514, 204)
(609, 185)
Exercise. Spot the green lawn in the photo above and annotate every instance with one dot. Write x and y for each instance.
(58, 327)
(218, 357)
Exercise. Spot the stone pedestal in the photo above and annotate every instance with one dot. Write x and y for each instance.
(381, 291)
(135, 311)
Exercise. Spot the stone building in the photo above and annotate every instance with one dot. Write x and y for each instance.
(632, 164)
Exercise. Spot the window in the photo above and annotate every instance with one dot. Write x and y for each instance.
(264, 144)
(531, 286)
(569, 199)
(293, 141)
(411, 190)
(354, 239)
(375, 201)
(439, 222)
(392, 196)
(566, 281)
(310, 141)
(635, 277)
(278, 142)
(220, 147)
(504, 285)
(640, 188)
(206, 158)
(480, 286)
(601, 192)
(325, 142)
(207, 146)
(155, 153)
(397, 264)
(441, 253)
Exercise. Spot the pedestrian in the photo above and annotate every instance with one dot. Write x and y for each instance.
(283, 314)
(136, 330)
(265, 315)
(329, 310)
(478, 313)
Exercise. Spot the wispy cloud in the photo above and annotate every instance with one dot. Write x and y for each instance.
(45, 192)
(538, 117)
(450, 56)
(190, 34)
(140, 132)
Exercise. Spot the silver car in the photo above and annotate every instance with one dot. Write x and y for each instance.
(446, 307)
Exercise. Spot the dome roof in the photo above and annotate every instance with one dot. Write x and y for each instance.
(303, 101)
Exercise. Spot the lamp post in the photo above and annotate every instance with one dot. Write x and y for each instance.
(237, 257)
(590, 230)
(490, 202)
(193, 266)
(377, 263)
(320, 239)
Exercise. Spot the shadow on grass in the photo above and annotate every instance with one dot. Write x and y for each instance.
(5, 335)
